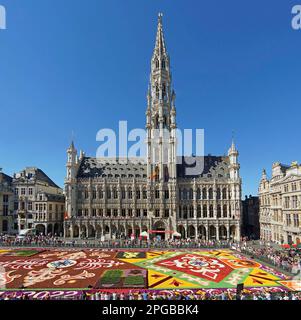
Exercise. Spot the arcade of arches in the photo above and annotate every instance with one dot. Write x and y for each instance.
(111, 230)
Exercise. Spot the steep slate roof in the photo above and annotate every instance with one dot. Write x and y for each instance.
(93, 167)
(37, 174)
(207, 166)
(5, 178)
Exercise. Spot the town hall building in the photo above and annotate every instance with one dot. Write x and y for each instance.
(120, 198)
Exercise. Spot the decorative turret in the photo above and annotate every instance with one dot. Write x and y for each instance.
(264, 175)
(234, 165)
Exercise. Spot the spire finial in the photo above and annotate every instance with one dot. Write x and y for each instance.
(160, 43)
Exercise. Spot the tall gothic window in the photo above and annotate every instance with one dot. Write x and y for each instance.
(224, 193)
(225, 211)
(191, 215)
(205, 211)
(163, 64)
(211, 211)
(219, 211)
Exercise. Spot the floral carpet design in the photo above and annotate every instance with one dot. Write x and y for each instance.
(67, 269)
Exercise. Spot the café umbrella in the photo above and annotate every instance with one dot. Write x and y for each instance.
(144, 234)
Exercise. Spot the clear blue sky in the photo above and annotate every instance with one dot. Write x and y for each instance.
(84, 65)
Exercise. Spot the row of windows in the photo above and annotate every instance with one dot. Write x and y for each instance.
(295, 220)
(203, 194)
(292, 187)
(113, 212)
(185, 212)
(38, 206)
(113, 194)
(24, 191)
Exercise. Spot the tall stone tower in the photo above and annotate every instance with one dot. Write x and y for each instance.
(235, 185)
(70, 181)
(161, 131)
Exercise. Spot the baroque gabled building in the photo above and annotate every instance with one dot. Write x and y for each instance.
(113, 198)
(280, 204)
(7, 225)
(39, 203)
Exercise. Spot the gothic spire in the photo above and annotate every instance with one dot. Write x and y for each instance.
(160, 48)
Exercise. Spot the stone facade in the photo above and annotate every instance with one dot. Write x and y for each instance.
(6, 205)
(113, 198)
(280, 204)
(250, 217)
(39, 202)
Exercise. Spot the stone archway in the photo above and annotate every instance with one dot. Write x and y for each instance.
(191, 232)
(159, 229)
(75, 231)
(137, 231)
(91, 231)
(121, 231)
(212, 232)
(67, 231)
(181, 230)
(202, 232)
(223, 233)
(98, 231)
(49, 229)
(129, 231)
(56, 229)
(232, 232)
(114, 231)
(40, 229)
(83, 231)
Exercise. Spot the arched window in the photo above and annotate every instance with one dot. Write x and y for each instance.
(218, 193)
(198, 193)
(185, 194)
(210, 194)
(190, 194)
(163, 64)
(204, 193)
(157, 64)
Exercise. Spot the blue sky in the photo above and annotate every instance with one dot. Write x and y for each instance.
(81, 66)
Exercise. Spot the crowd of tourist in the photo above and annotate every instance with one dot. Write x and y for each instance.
(288, 260)
(264, 294)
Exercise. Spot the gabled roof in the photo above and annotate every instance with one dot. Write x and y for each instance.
(34, 174)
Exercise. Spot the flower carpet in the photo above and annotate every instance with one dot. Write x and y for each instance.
(108, 269)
